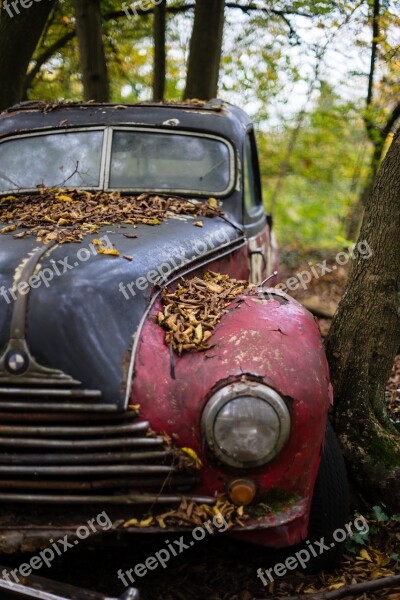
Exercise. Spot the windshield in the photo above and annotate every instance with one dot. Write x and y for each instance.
(62, 159)
(136, 160)
(168, 162)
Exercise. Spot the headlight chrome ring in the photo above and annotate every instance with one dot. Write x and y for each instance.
(246, 424)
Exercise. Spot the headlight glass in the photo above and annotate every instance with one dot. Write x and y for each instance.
(246, 425)
(246, 428)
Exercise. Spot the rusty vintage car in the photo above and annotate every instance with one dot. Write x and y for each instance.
(95, 404)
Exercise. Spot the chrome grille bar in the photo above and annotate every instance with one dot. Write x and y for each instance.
(74, 431)
(68, 459)
(72, 444)
(64, 407)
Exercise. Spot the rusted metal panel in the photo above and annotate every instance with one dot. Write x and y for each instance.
(258, 338)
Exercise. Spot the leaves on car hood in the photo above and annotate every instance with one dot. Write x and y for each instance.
(64, 215)
(192, 311)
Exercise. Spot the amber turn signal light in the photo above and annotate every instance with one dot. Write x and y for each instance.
(242, 491)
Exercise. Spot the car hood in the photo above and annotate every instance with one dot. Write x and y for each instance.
(83, 321)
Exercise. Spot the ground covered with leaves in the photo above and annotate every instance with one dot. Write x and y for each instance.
(219, 568)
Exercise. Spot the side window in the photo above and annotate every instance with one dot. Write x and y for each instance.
(252, 187)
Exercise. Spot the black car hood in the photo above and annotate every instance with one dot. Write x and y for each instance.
(84, 320)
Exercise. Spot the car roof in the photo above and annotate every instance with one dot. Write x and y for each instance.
(216, 117)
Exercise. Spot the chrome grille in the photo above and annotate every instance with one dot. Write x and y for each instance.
(56, 446)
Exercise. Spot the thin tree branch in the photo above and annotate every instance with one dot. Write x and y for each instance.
(349, 590)
(390, 123)
(118, 14)
(369, 124)
(160, 55)
(374, 50)
(46, 55)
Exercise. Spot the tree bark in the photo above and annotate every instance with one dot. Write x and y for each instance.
(160, 23)
(379, 142)
(205, 50)
(364, 339)
(19, 35)
(92, 56)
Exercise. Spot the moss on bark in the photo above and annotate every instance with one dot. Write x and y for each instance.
(364, 339)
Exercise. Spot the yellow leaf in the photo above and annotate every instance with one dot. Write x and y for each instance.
(134, 406)
(63, 198)
(161, 522)
(199, 224)
(199, 333)
(8, 229)
(92, 228)
(146, 522)
(336, 586)
(364, 554)
(131, 523)
(8, 199)
(213, 202)
(192, 455)
(108, 251)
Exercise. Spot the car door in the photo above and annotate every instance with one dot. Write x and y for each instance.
(261, 248)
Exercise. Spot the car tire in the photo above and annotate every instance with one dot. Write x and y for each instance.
(330, 508)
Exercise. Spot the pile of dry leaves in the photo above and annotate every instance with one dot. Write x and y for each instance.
(69, 215)
(192, 311)
(191, 514)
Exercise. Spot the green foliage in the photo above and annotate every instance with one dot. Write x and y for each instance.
(380, 515)
(380, 527)
(320, 176)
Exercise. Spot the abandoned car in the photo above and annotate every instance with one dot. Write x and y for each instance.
(148, 361)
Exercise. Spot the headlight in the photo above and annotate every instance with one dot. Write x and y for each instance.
(246, 424)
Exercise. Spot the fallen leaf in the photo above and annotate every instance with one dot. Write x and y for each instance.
(108, 251)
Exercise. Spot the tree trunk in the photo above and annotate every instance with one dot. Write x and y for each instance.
(19, 35)
(205, 50)
(364, 339)
(160, 22)
(92, 56)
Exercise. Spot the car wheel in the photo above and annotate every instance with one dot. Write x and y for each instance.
(330, 508)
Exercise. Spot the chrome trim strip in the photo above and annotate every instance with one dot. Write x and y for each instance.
(123, 499)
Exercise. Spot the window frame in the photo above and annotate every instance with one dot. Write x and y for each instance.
(254, 219)
(105, 164)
